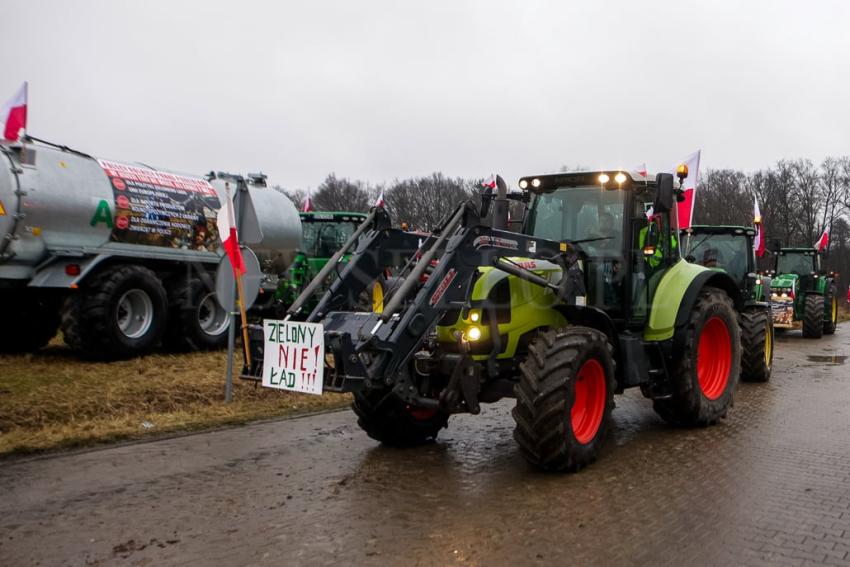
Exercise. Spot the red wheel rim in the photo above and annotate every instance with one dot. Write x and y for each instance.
(714, 358)
(589, 402)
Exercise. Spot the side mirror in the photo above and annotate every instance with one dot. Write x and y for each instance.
(665, 194)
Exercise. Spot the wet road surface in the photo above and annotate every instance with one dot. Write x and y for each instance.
(769, 485)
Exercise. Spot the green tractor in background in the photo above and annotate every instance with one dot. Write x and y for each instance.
(802, 294)
(323, 233)
(589, 297)
(730, 248)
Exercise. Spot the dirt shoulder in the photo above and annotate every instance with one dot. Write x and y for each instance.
(53, 400)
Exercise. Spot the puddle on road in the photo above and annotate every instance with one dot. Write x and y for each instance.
(833, 359)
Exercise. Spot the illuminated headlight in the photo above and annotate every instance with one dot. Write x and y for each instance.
(535, 182)
(473, 333)
(474, 315)
(523, 184)
(603, 178)
(758, 281)
(620, 178)
(329, 360)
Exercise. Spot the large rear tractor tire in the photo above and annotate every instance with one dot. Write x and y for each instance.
(120, 312)
(813, 316)
(196, 321)
(831, 315)
(30, 320)
(706, 367)
(756, 345)
(386, 418)
(564, 398)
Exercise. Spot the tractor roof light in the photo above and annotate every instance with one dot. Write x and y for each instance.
(535, 182)
(620, 178)
(523, 184)
(603, 178)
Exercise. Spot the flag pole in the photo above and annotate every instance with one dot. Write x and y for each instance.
(239, 287)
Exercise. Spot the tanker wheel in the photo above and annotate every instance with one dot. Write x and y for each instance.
(120, 312)
(564, 398)
(813, 311)
(706, 366)
(756, 345)
(831, 316)
(386, 418)
(30, 320)
(196, 321)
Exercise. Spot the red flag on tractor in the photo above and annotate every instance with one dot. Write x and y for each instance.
(227, 233)
(823, 241)
(491, 182)
(13, 114)
(689, 186)
(380, 201)
(307, 207)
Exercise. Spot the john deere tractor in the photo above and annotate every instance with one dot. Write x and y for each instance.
(323, 233)
(730, 248)
(587, 298)
(802, 294)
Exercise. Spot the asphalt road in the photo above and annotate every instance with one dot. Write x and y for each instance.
(769, 485)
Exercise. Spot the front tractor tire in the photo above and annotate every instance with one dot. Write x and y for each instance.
(564, 398)
(706, 365)
(756, 345)
(386, 418)
(120, 312)
(813, 316)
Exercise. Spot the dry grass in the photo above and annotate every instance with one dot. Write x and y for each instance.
(53, 400)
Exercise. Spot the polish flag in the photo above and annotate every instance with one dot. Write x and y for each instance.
(758, 242)
(380, 202)
(13, 114)
(689, 186)
(641, 170)
(823, 241)
(307, 207)
(491, 182)
(227, 233)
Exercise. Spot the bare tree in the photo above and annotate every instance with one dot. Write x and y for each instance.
(422, 202)
(341, 194)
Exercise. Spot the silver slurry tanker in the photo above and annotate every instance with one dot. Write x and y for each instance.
(120, 256)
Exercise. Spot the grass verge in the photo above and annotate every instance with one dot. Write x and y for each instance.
(53, 400)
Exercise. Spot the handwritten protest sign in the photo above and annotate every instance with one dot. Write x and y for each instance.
(294, 357)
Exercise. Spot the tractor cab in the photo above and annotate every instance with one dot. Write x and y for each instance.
(623, 231)
(727, 248)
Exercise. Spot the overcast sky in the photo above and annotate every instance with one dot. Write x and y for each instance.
(384, 90)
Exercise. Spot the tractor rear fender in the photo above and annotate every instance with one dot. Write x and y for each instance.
(677, 293)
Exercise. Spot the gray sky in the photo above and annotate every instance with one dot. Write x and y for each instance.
(379, 90)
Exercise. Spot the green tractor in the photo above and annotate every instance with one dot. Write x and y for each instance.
(323, 233)
(588, 298)
(802, 294)
(730, 248)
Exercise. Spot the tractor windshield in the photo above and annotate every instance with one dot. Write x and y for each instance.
(728, 252)
(322, 238)
(588, 213)
(797, 262)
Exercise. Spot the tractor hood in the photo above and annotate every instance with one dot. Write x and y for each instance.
(784, 281)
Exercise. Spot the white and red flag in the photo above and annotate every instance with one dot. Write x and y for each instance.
(758, 241)
(491, 182)
(823, 241)
(641, 170)
(227, 233)
(13, 114)
(307, 207)
(689, 186)
(380, 201)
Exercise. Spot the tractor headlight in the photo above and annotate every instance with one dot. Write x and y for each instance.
(758, 281)
(474, 315)
(603, 178)
(620, 178)
(523, 184)
(535, 182)
(473, 333)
